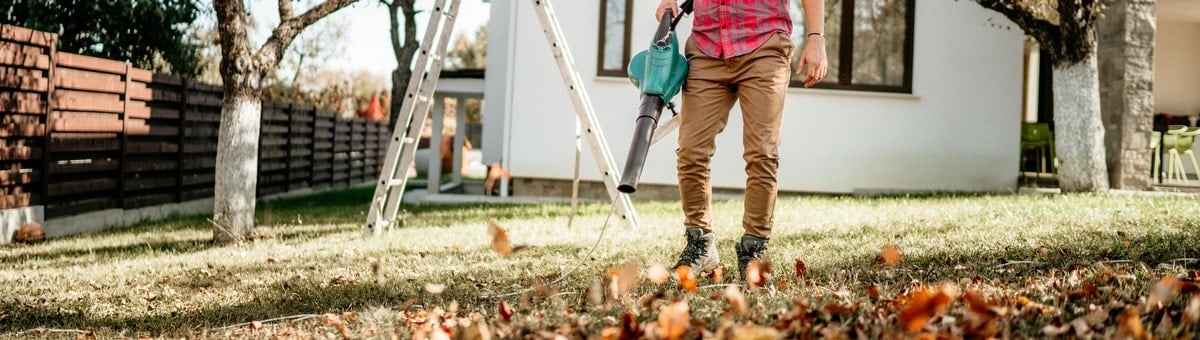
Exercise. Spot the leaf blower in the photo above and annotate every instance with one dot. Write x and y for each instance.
(658, 72)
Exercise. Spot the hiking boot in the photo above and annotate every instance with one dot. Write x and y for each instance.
(700, 253)
(750, 248)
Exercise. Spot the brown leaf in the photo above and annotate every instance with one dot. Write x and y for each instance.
(256, 325)
(717, 275)
(755, 332)
(801, 269)
(500, 242)
(754, 274)
(1163, 292)
(977, 304)
(333, 320)
(873, 292)
(657, 274)
(673, 320)
(629, 327)
(890, 255)
(506, 311)
(737, 300)
(621, 280)
(925, 304)
(1130, 324)
(1086, 291)
(686, 279)
(839, 309)
(1191, 313)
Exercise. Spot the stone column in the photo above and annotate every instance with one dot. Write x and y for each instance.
(1126, 58)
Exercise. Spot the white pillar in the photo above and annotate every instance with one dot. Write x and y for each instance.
(434, 182)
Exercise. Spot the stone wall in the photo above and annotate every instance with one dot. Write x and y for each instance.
(1126, 65)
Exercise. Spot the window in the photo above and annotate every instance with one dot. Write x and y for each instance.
(869, 44)
(614, 37)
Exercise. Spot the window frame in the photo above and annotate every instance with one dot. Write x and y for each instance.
(846, 54)
(625, 52)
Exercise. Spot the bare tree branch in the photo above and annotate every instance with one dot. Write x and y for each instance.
(285, 10)
(272, 50)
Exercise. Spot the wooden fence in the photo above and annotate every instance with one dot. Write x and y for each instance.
(103, 135)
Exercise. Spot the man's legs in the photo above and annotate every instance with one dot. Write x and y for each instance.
(762, 81)
(707, 98)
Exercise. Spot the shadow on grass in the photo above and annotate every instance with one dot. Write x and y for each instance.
(286, 297)
(1058, 251)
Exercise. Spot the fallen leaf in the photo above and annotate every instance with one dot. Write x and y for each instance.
(506, 311)
(673, 320)
(256, 325)
(629, 327)
(657, 274)
(1086, 291)
(434, 288)
(1165, 327)
(925, 304)
(686, 279)
(1130, 324)
(621, 280)
(370, 331)
(737, 300)
(717, 275)
(500, 242)
(1162, 292)
(977, 304)
(333, 320)
(801, 269)
(838, 309)
(890, 255)
(873, 292)
(755, 273)
(755, 332)
(595, 293)
(1191, 313)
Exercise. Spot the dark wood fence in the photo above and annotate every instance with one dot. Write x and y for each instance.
(104, 135)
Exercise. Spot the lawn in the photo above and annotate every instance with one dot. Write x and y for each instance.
(964, 266)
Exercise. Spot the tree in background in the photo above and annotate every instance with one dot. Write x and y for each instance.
(243, 72)
(469, 53)
(1066, 31)
(403, 50)
(150, 34)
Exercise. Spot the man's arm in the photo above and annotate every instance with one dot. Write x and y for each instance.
(813, 56)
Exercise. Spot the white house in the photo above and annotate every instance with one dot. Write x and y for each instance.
(933, 101)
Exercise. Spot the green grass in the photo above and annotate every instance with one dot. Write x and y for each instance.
(165, 279)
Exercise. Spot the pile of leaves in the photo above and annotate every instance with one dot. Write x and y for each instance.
(1114, 299)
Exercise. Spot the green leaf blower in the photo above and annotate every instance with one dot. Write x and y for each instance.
(658, 72)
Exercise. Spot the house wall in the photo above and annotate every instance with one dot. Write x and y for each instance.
(957, 131)
(1177, 71)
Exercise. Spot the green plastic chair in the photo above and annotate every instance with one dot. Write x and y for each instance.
(1178, 141)
(1037, 136)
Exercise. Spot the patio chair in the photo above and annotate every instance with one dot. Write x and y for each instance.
(1178, 141)
(1156, 162)
(1037, 136)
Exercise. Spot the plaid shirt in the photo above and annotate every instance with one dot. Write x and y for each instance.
(730, 28)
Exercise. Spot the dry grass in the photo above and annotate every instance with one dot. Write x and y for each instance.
(1026, 253)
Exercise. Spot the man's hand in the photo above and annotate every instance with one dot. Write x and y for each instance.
(813, 60)
(664, 6)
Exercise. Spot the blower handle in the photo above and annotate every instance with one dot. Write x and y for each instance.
(669, 22)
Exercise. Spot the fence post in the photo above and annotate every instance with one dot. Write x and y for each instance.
(46, 135)
(124, 139)
(182, 140)
(287, 151)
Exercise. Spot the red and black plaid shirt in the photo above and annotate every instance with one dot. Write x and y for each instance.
(730, 28)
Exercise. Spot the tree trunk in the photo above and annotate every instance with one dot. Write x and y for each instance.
(403, 51)
(237, 159)
(1079, 131)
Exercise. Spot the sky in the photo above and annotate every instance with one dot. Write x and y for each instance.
(368, 45)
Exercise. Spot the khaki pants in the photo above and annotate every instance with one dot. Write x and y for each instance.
(759, 81)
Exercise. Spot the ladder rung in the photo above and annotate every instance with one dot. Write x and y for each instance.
(395, 183)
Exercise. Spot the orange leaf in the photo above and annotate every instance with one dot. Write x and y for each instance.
(889, 255)
(1088, 290)
(686, 279)
(657, 274)
(978, 305)
(1130, 324)
(500, 242)
(673, 320)
(924, 305)
(506, 311)
(801, 269)
(737, 300)
(839, 309)
(717, 275)
(621, 280)
(754, 274)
